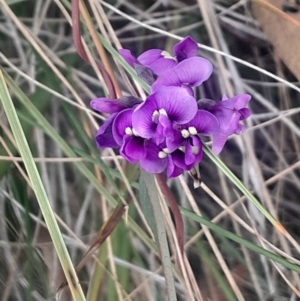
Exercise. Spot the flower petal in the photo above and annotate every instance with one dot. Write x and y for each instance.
(204, 122)
(245, 113)
(219, 142)
(159, 136)
(237, 102)
(185, 49)
(193, 152)
(123, 151)
(178, 158)
(193, 72)
(106, 105)
(230, 111)
(142, 117)
(136, 147)
(173, 170)
(229, 121)
(180, 106)
(189, 157)
(240, 101)
(104, 136)
(206, 104)
(175, 141)
(144, 73)
(128, 57)
(129, 101)
(240, 129)
(157, 60)
(122, 121)
(133, 148)
(167, 125)
(152, 163)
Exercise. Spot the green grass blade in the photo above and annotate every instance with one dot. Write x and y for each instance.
(146, 207)
(40, 99)
(217, 275)
(161, 235)
(222, 232)
(40, 192)
(233, 178)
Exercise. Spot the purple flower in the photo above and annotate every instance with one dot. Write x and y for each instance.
(106, 105)
(158, 158)
(159, 60)
(229, 113)
(128, 57)
(156, 117)
(187, 137)
(132, 146)
(104, 136)
(189, 73)
(164, 132)
(185, 48)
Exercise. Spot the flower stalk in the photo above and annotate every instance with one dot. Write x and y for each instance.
(161, 180)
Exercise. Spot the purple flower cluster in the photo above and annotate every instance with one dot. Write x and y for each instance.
(164, 131)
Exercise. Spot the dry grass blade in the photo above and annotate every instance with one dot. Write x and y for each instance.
(100, 238)
(81, 51)
(103, 233)
(282, 30)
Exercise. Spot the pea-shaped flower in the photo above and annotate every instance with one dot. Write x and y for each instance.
(104, 136)
(187, 138)
(160, 60)
(229, 112)
(132, 145)
(156, 117)
(191, 72)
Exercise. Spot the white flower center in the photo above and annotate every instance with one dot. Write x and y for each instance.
(167, 151)
(185, 133)
(193, 130)
(128, 131)
(162, 112)
(167, 55)
(162, 155)
(155, 115)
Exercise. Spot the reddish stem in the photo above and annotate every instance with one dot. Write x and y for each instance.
(81, 51)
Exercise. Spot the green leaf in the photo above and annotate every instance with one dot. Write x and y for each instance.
(161, 234)
(146, 206)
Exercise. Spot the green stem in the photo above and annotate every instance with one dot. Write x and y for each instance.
(174, 208)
